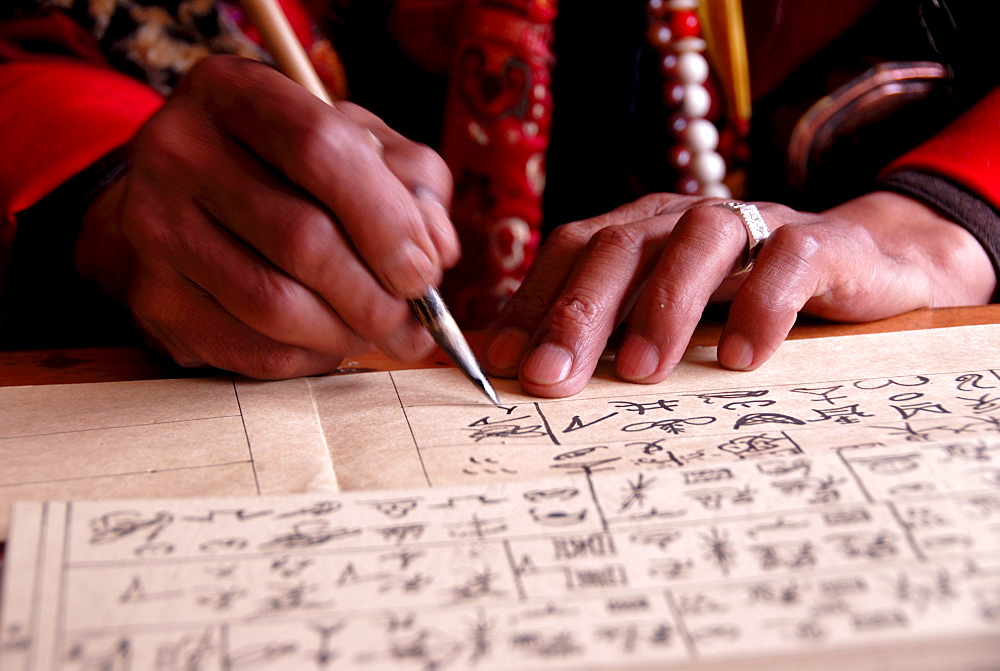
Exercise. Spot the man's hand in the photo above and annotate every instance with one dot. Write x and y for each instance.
(656, 263)
(261, 231)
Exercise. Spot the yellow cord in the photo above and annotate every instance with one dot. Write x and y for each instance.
(722, 25)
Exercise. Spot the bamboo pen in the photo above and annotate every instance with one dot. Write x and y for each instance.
(292, 60)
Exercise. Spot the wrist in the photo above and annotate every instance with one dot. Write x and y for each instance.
(959, 269)
(100, 252)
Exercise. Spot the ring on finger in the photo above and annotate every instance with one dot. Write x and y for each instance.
(757, 231)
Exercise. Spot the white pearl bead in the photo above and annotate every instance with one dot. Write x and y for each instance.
(676, 5)
(708, 166)
(715, 190)
(697, 100)
(692, 68)
(701, 135)
(690, 44)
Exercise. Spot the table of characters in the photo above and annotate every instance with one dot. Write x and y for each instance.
(768, 553)
(655, 431)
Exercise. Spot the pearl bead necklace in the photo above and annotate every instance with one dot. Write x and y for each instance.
(675, 32)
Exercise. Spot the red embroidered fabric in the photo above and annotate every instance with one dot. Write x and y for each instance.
(496, 133)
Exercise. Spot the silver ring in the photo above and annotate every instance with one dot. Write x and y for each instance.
(757, 231)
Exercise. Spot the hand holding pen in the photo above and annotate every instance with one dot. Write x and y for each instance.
(429, 308)
(257, 229)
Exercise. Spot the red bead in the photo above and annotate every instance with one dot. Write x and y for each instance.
(668, 65)
(659, 34)
(685, 23)
(673, 94)
(677, 123)
(688, 185)
(680, 157)
(658, 8)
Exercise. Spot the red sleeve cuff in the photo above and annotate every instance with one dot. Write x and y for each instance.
(58, 118)
(967, 152)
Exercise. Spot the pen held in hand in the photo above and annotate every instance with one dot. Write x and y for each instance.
(292, 60)
(433, 314)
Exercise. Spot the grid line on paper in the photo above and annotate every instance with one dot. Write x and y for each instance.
(409, 427)
(246, 434)
(117, 426)
(124, 473)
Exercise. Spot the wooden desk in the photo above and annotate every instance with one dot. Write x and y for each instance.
(103, 364)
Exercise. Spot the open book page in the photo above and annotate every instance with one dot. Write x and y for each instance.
(840, 506)
(194, 437)
(430, 428)
(232, 436)
(878, 557)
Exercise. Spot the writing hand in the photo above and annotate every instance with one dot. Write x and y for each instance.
(656, 263)
(261, 231)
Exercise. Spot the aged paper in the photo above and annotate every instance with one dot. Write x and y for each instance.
(840, 506)
(194, 437)
(231, 436)
(876, 557)
(426, 428)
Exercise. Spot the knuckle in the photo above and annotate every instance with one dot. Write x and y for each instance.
(202, 74)
(146, 232)
(159, 145)
(426, 159)
(615, 239)
(532, 303)
(572, 236)
(794, 249)
(317, 137)
(299, 252)
(269, 300)
(206, 74)
(276, 362)
(377, 321)
(672, 295)
(655, 204)
(580, 311)
(420, 167)
(209, 69)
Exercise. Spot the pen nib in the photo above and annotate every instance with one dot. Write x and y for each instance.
(488, 389)
(433, 314)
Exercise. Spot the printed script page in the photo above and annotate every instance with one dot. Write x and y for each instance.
(840, 506)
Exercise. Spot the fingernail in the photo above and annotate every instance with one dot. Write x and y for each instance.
(637, 359)
(409, 344)
(736, 352)
(504, 351)
(409, 271)
(548, 364)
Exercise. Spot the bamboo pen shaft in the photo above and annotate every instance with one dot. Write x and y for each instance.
(291, 58)
(279, 39)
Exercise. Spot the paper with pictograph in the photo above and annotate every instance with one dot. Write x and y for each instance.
(840, 506)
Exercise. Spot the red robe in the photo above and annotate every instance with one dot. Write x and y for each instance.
(62, 107)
